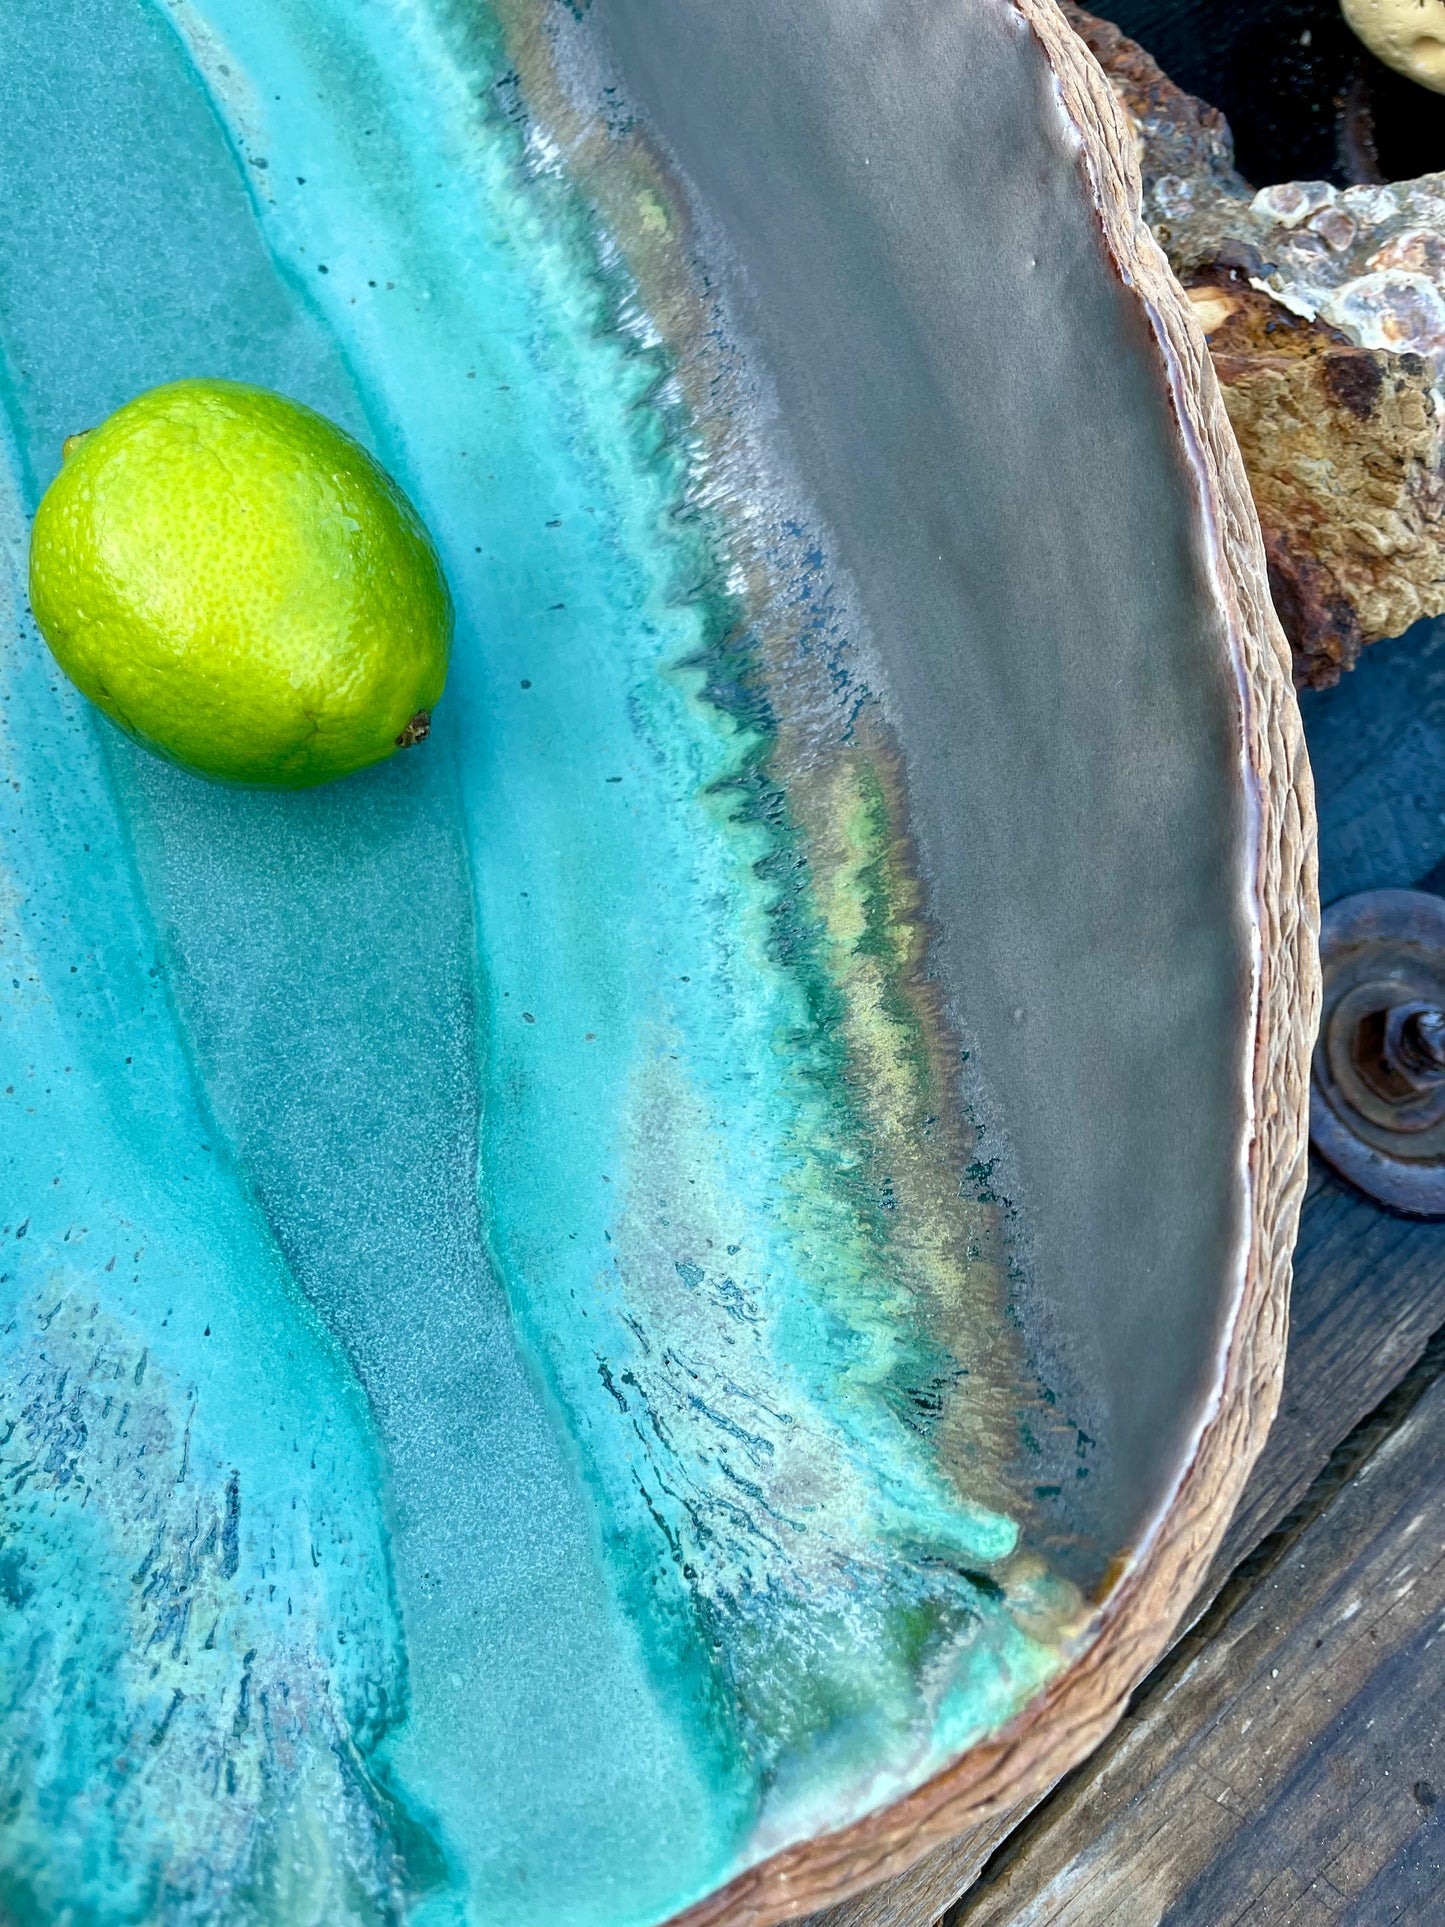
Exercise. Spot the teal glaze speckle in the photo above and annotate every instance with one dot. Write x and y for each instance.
(541, 1213)
(195, 1571)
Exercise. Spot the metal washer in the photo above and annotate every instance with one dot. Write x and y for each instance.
(1377, 1097)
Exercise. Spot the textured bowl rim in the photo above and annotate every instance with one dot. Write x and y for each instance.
(1153, 1589)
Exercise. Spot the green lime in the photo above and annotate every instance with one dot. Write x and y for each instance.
(240, 586)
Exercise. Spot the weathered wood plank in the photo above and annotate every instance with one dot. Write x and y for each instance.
(1283, 1766)
(1369, 1292)
(925, 1892)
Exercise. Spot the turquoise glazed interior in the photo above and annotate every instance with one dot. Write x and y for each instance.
(559, 1329)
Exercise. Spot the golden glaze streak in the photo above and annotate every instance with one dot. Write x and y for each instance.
(1139, 1616)
(641, 207)
(849, 811)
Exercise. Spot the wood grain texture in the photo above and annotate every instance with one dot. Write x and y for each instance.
(1137, 1619)
(1284, 1766)
(1369, 1295)
(924, 1892)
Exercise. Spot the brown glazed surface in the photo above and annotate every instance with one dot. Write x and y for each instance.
(1140, 1613)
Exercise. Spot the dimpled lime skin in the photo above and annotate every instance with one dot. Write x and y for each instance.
(238, 584)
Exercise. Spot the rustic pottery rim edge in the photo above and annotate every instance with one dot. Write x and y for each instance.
(1135, 1624)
